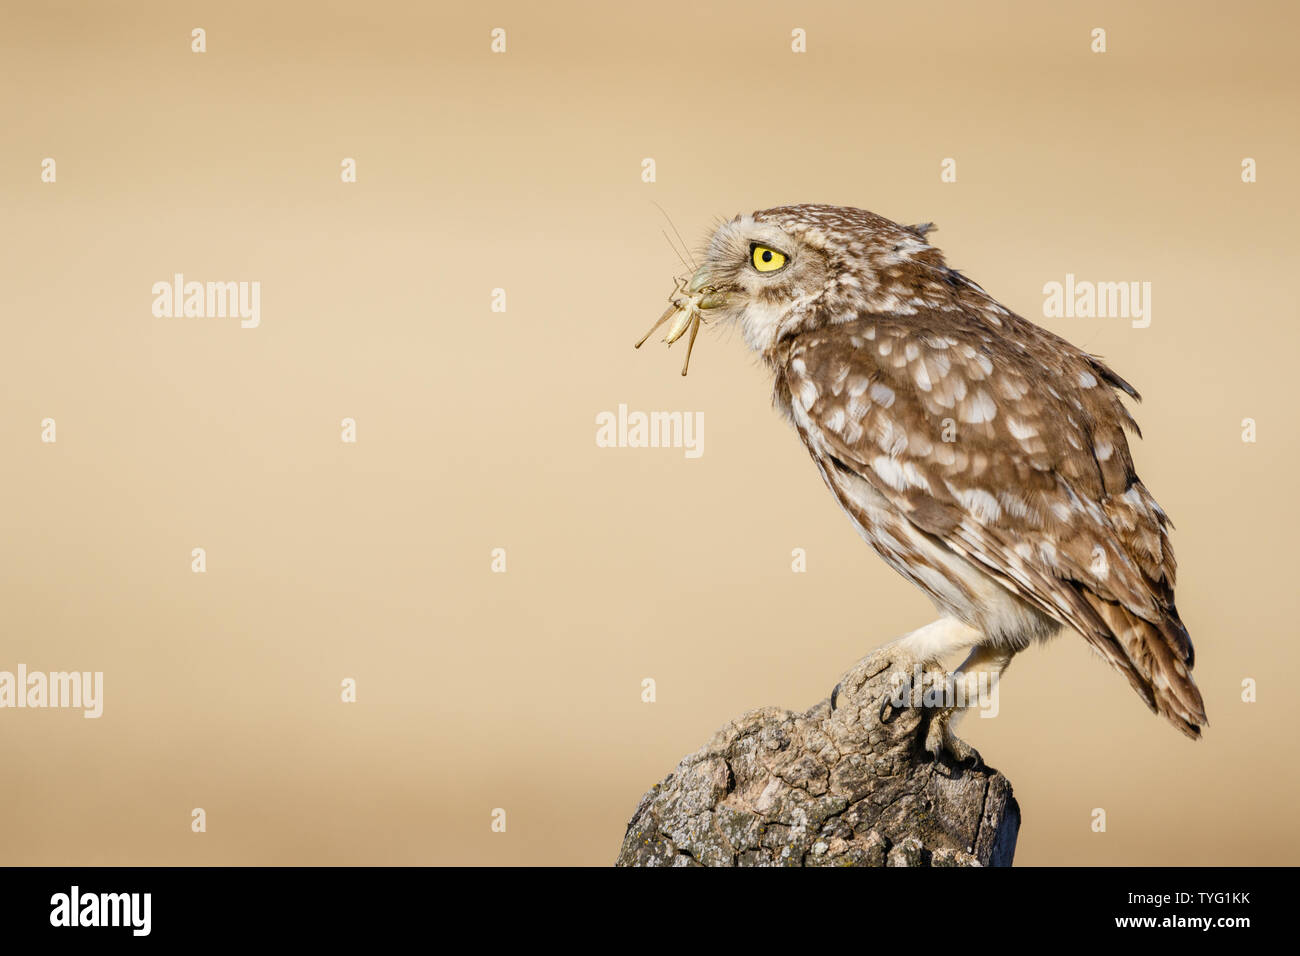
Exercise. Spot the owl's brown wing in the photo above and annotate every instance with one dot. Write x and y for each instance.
(1008, 447)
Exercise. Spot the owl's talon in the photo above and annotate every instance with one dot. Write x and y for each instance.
(941, 742)
(885, 716)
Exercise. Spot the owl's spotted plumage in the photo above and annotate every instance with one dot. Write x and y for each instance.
(984, 458)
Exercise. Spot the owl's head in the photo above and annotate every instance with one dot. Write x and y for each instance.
(782, 271)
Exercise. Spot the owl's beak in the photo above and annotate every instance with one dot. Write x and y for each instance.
(707, 298)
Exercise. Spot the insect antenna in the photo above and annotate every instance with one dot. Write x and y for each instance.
(689, 267)
(682, 241)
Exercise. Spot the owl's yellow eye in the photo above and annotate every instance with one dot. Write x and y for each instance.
(766, 259)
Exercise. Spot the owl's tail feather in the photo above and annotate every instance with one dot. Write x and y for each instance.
(1157, 658)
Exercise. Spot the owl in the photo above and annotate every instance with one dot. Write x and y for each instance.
(982, 457)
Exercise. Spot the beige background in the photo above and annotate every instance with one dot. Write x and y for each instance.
(371, 561)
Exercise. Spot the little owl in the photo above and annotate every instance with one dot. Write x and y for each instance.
(982, 457)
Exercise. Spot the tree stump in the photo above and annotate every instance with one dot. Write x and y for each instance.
(851, 785)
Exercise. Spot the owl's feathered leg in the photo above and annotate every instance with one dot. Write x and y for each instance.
(923, 650)
(933, 642)
(974, 685)
(922, 681)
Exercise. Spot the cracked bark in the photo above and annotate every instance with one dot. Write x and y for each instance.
(853, 786)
